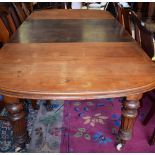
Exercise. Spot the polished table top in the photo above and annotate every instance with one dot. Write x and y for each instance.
(73, 58)
(70, 14)
(70, 30)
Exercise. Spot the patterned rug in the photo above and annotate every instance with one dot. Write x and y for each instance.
(47, 129)
(79, 126)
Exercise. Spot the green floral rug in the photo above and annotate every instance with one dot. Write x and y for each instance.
(47, 127)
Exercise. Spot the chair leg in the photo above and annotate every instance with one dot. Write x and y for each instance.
(152, 139)
(150, 113)
(1, 105)
(34, 104)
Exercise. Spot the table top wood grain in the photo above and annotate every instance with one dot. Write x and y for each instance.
(70, 14)
(70, 30)
(84, 65)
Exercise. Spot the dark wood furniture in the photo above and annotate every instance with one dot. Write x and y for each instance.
(8, 21)
(143, 36)
(145, 10)
(123, 16)
(10, 9)
(73, 54)
(14, 15)
(146, 13)
(4, 33)
(151, 96)
(118, 8)
(20, 11)
(25, 9)
(111, 8)
(126, 18)
(152, 139)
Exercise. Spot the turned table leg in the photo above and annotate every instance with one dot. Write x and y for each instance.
(129, 113)
(16, 116)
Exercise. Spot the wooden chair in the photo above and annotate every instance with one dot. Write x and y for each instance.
(14, 15)
(151, 98)
(3, 16)
(8, 7)
(145, 39)
(29, 6)
(4, 33)
(25, 9)
(136, 21)
(152, 139)
(8, 21)
(111, 8)
(118, 9)
(126, 18)
(123, 16)
(7, 26)
(19, 10)
(143, 36)
(11, 22)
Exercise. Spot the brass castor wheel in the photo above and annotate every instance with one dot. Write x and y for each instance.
(119, 146)
(18, 149)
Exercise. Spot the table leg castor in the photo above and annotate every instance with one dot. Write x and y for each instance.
(129, 114)
(119, 146)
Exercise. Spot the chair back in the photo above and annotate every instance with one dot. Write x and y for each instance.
(19, 10)
(4, 34)
(14, 15)
(25, 9)
(8, 7)
(11, 23)
(123, 16)
(119, 12)
(126, 18)
(8, 21)
(147, 41)
(136, 21)
(111, 8)
(143, 36)
(3, 16)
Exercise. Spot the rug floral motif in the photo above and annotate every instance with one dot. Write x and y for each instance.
(47, 129)
(90, 122)
(91, 126)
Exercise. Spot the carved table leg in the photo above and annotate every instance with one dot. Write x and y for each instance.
(16, 116)
(129, 113)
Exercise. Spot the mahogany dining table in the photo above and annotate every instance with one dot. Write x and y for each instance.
(73, 55)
